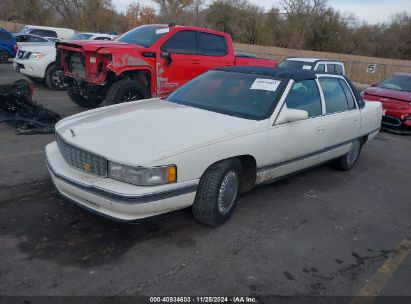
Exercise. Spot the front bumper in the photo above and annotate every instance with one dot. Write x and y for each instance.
(394, 121)
(32, 68)
(114, 199)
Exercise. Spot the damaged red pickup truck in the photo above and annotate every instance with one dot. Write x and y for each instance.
(148, 61)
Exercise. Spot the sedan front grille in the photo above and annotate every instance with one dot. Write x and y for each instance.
(81, 159)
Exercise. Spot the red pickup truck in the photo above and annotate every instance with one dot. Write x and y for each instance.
(148, 61)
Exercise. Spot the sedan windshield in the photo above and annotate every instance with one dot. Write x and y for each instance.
(83, 36)
(242, 95)
(397, 82)
(143, 35)
(296, 64)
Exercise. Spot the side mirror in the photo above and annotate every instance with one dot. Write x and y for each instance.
(374, 84)
(291, 115)
(168, 58)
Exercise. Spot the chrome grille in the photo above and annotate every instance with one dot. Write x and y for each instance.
(81, 159)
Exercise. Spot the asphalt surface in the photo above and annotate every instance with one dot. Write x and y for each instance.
(322, 232)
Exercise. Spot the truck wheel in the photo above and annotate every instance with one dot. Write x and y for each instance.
(54, 78)
(4, 57)
(88, 102)
(218, 192)
(124, 91)
(347, 161)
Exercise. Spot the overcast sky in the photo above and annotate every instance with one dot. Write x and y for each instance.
(371, 11)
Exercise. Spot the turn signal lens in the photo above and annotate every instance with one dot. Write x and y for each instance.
(171, 174)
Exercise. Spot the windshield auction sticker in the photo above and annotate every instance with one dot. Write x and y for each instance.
(163, 30)
(265, 84)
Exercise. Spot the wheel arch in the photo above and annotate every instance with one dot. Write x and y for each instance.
(144, 76)
(248, 173)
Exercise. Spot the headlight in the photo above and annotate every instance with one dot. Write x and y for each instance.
(36, 56)
(142, 176)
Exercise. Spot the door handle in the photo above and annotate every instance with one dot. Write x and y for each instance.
(195, 62)
(319, 130)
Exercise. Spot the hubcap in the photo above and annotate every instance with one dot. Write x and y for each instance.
(228, 192)
(353, 152)
(130, 96)
(58, 80)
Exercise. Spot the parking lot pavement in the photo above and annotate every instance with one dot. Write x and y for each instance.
(322, 232)
(22, 156)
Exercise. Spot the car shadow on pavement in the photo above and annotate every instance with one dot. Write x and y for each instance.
(48, 227)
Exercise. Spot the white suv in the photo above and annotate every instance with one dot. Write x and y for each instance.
(38, 64)
(315, 64)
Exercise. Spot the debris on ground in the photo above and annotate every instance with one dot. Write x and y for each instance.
(19, 110)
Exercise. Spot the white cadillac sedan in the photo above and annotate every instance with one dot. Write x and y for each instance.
(219, 135)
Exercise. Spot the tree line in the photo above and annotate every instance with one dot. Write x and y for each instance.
(296, 24)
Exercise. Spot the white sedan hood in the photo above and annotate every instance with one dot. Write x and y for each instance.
(141, 132)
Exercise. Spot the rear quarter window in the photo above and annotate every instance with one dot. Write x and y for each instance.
(339, 69)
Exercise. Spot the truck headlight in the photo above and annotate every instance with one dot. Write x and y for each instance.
(142, 176)
(36, 56)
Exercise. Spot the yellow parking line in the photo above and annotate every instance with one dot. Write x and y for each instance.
(21, 154)
(374, 286)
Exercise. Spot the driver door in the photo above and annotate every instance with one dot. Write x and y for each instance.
(175, 65)
(293, 146)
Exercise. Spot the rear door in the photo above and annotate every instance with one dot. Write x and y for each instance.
(342, 119)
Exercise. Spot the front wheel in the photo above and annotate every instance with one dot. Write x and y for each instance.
(218, 192)
(54, 78)
(82, 99)
(347, 161)
(124, 91)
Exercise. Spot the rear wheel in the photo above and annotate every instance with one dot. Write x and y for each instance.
(218, 192)
(124, 91)
(347, 161)
(4, 57)
(83, 100)
(54, 78)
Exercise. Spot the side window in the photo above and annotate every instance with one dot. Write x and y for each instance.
(37, 39)
(304, 95)
(334, 95)
(348, 94)
(320, 68)
(339, 69)
(211, 45)
(331, 68)
(44, 33)
(183, 42)
(4, 37)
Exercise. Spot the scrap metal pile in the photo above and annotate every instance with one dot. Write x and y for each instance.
(19, 110)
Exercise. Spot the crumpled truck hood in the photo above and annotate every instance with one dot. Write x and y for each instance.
(142, 132)
(96, 45)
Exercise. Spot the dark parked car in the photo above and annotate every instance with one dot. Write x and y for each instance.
(8, 46)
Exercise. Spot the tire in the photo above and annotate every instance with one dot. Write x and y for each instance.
(4, 57)
(347, 161)
(124, 91)
(54, 78)
(88, 102)
(218, 192)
